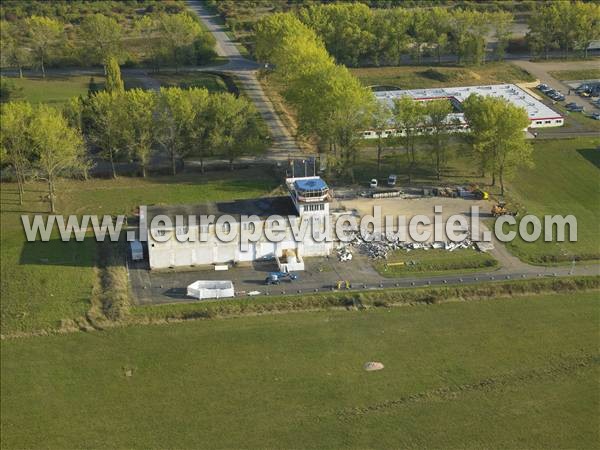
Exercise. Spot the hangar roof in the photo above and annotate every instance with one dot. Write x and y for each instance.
(536, 110)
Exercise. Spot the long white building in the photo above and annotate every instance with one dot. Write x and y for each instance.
(308, 198)
(540, 115)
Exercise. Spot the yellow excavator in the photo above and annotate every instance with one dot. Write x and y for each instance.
(500, 209)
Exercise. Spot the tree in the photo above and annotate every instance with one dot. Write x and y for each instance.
(114, 82)
(102, 38)
(440, 19)
(497, 131)
(469, 29)
(106, 130)
(9, 91)
(12, 52)
(588, 26)
(543, 26)
(513, 150)
(203, 115)
(178, 32)
(235, 131)
(44, 33)
(175, 114)
(381, 118)
(501, 23)
(438, 122)
(139, 132)
(15, 140)
(409, 116)
(146, 27)
(58, 148)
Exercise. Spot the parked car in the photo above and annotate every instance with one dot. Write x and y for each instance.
(570, 105)
(545, 88)
(542, 86)
(576, 108)
(373, 183)
(391, 181)
(556, 95)
(595, 116)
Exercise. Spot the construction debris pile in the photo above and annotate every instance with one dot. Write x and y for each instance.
(376, 248)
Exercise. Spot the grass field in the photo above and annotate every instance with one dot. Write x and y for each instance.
(54, 89)
(43, 283)
(583, 74)
(433, 262)
(510, 373)
(564, 181)
(413, 77)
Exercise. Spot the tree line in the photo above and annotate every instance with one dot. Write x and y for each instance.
(357, 35)
(166, 39)
(134, 125)
(383, 32)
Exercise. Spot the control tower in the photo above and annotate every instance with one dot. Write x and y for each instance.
(311, 195)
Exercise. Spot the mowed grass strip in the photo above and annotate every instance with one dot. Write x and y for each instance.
(419, 77)
(421, 263)
(582, 74)
(280, 380)
(563, 181)
(44, 282)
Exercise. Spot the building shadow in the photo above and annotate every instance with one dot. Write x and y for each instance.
(56, 252)
(591, 154)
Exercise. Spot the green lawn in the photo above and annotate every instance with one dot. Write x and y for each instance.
(418, 263)
(414, 77)
(564, 181)
(583, 74)
(43, 283)
(54, 89)
(506, 373)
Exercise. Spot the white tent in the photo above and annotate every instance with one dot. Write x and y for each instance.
(202, 289)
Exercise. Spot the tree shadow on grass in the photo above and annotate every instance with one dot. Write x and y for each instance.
(591, 154)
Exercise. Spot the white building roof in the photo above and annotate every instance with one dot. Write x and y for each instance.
(536, 110)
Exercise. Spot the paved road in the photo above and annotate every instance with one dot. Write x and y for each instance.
(245, 71)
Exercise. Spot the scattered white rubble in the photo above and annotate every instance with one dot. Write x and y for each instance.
(376, 246)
